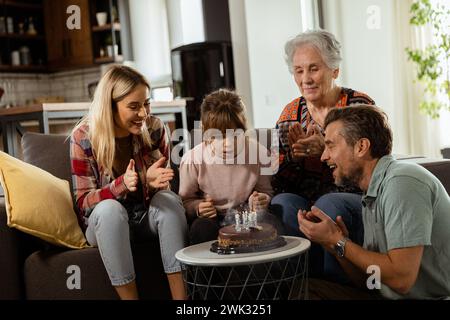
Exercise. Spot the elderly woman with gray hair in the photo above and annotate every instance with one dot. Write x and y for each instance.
(303, 180)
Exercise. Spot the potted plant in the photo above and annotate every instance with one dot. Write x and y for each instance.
(432, 63)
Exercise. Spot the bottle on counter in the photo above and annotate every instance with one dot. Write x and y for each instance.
(25, 56)
(21, 26)
(2, 25)
(15, 58)
(9, 25)
(31, 29)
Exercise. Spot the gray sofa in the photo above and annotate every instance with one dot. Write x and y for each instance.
(32, 269)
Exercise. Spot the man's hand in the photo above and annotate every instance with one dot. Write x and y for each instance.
(158, 176)
(320, 228)
(206, 208)
(258, 201)
(130, 177)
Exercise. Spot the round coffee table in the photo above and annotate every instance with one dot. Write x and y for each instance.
(276, 274)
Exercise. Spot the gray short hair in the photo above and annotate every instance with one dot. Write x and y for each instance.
(325, 42)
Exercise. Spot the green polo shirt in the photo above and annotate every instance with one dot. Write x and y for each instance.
(405, 206)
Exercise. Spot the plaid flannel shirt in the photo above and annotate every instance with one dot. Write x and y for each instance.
(91, 184)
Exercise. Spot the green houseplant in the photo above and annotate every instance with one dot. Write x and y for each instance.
(432, 63)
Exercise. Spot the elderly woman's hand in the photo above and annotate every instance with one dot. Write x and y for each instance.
(296, 133)
(311, 145)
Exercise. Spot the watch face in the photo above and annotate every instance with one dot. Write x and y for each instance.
(339, 248)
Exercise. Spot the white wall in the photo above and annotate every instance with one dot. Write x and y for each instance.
(238, 26)
(369, 54)
(366, 53)
(150, 39)
(185, 22)
(259, 30)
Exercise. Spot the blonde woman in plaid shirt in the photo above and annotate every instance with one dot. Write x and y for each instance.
(121, 175)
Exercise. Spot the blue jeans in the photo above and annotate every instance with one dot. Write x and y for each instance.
(346, 205)
(109, 230)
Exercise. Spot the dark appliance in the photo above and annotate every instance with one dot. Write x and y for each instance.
(198, 69)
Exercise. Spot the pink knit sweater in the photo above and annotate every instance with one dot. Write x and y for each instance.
(203, 173)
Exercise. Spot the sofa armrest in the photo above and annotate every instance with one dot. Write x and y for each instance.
(10, 266)
(15, 247)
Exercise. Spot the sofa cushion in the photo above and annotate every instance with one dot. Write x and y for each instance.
(39, 203)
(50, 152)
(46, 274)
(439, 167)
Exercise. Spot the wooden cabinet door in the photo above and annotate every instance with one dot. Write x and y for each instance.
(79, 40)
(55, 27)
(67, 48)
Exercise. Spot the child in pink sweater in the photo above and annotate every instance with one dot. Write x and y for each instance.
(224, 171)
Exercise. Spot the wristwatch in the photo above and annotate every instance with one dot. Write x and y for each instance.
(339, 247)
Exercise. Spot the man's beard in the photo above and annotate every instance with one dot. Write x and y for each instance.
(352, 179)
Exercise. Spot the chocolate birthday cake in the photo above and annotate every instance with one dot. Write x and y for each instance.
(230, 237)
(247, 236)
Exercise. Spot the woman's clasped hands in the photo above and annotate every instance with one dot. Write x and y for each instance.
(309, 144)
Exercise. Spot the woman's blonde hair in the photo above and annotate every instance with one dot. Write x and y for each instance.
(114, 86)
(223, 109)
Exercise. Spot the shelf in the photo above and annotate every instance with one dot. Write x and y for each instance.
(20, 11)
(21, 36)
(108, 59)
(107, 27)
(30, 68)
(22, 5)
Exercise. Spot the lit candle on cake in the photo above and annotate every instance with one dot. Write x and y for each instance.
(237, 219)
(245, 222)
(253, 221)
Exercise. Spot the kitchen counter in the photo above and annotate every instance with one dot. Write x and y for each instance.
(157, 106)
(11, 118)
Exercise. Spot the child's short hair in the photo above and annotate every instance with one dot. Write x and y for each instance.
(223, 109)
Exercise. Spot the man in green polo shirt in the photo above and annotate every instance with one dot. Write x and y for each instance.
(406, 211)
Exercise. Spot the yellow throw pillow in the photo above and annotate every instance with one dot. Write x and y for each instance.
(40, 204)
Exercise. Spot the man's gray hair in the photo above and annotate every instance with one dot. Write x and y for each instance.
(324, 41)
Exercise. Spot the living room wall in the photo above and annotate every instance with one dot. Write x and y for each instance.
(259, 30)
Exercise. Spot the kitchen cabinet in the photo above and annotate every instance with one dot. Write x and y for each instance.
(106, 34)
(52, 46)
(93, 43)
(22, 37)
(67, 48)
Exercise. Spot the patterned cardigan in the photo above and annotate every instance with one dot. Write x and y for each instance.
(91, 184)
(308, 177)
